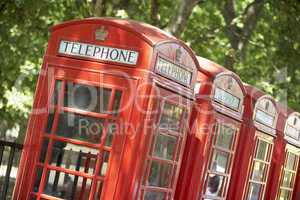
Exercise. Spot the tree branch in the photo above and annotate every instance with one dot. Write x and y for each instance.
(154, 12)
(239, 37)
(3, 5)
(251, 14)
(231, 29)
(99, 8)
(179, 20)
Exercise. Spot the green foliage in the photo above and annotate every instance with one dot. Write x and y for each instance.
(271, 60)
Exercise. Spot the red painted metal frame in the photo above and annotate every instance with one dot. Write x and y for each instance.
(279, 158)
(205, 113)
(247, 146)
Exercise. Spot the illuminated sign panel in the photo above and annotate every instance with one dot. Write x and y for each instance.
(264, 118)
(292, 132)
(101, 53)
(226, 98)
(173, 71)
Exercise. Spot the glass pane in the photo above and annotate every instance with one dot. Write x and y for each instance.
(111, 131)
(44, 148)
(154, 195)
(67, 186)
(254, 191)
(104, 97)
(98, 192)
(225, 137)
(38, 178)
(262, 150)
(288, 179)
(160, 174)
(171, 116)
(117, 101)
(74, 157)
(291, 159)
(258, 171)
(33, 197)
(50, 123)
(56, 92)
(104, 165)
(86, 97)
(80, 127)
(220, 161)
(284, 195)
(165, 146)
(215, 184)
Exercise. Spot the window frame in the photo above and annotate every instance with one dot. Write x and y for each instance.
(161, 100)
(295, 151)
(231, 156)
(96, 178)
(260, 136)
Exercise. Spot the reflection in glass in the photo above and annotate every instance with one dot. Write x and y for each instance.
(104, 164)
(284, 195)
(254, 191)
(219, 161)
(56, 92)
(171, 116)
(50, 123)
(258, 171)
(74, 157)
(98, 191)
(160, 174)
(262, 150)
(86, 97)
(154, 195)
(80, 127)
(67, 186)
(291, 159)
(214, 185)
(288, 179)
(111, 131)
(44, 148)
(225, 137)
(38, 178)
(165, 146)
(117, 101)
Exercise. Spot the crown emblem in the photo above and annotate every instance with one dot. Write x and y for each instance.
(101, 33)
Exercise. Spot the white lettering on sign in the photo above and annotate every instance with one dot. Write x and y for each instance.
(226, 98)
(264, 118)
(98, 52)
(173, 71)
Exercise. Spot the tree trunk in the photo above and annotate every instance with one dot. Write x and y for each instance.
(179, 20)
(155, 12)
(239, 37)
(98, 8)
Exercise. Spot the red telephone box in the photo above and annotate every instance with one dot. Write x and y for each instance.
(211, 146)
(110, 113)
(252, 167)
(284, 178)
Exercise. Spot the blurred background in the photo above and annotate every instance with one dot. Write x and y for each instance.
(257, 39)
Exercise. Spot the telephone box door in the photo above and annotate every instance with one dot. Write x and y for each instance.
(82, 142)
(167, 143)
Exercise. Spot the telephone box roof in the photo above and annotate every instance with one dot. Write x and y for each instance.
(209, 67)
(256, 93)
(149, 33)
(214, 70)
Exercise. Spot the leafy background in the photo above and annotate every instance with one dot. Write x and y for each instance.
(257, 39)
